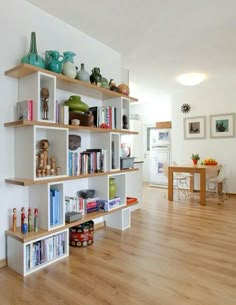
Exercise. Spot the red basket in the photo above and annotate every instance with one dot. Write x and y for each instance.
(82, 235)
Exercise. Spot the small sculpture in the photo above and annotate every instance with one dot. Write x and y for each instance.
(96, 77)
(125, 122)
(112, 86)
(14, 219)
(30, 224)
(43, 156)
(45, 97)
(22, 217)
(36, 220)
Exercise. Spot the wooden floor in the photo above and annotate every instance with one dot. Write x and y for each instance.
(176, 253)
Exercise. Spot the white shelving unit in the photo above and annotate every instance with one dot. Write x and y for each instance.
(22, 250)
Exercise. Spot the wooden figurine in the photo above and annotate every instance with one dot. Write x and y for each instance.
(14, 220)
(45, 97)
(36, 220)
(30, 224)
(53, 164)
(43, 156)
(22, 217)
(24, 228)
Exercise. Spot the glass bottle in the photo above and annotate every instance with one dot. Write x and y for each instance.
(83, 75)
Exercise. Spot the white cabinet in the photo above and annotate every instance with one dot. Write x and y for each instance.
(27, 151)
(46, 181)
(30, 87)
(27, 257)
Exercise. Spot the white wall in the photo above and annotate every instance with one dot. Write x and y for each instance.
(17, 20)
(204, 101)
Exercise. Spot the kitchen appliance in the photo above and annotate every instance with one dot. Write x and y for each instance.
(160, 152)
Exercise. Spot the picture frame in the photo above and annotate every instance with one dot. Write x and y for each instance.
(222, 125)
(195, 128)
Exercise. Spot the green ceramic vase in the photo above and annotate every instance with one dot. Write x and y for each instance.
(112, 188)
(32, 56)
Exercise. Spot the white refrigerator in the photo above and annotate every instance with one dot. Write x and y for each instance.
(160, 152)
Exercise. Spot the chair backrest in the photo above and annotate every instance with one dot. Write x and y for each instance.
(223, 173)
(165, 168)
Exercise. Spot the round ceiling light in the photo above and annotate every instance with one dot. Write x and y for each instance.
(191, 79)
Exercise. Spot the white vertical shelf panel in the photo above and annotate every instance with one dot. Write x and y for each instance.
(24, 153)
(115, 151)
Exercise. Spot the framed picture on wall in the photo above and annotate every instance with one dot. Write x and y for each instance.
(222, 125)
(195, 128)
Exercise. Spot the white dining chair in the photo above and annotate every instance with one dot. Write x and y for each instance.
(217, 186)
(180, 181)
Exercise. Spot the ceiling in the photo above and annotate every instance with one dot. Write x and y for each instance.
(159, 39)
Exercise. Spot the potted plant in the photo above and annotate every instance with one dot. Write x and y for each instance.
(195, 158)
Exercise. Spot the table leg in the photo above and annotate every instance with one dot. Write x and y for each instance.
(203, 187)
(191, 183)
(170, 184)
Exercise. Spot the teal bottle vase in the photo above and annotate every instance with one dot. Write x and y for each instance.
(112, 188)
(32, 56)
(83, 75)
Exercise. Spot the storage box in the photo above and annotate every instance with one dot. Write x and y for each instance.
(126, 162)
(82, 235)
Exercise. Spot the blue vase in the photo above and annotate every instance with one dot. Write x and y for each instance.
(32, 56)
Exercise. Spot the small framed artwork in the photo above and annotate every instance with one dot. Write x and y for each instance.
(195, 128)
(222, 125)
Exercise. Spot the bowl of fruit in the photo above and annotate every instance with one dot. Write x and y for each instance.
(210, 161)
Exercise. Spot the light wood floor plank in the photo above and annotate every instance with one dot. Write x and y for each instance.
(175, 253)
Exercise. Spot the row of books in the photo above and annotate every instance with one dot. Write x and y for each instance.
(45, 250)
(62, 114)
(104, 115)
(55, 211)
(74, 204)
(86, 162)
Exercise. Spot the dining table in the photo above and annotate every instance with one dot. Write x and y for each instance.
(202, 170)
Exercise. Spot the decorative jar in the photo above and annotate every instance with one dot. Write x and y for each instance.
(112, 188)
(83, 75)
(32, 56)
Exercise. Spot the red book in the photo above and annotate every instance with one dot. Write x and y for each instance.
(24, 110)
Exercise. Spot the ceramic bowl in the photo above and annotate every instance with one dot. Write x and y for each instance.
(85, 194)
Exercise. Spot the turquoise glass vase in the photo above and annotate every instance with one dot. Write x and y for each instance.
(32, 56)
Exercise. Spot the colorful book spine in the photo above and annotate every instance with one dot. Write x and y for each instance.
(24, 110)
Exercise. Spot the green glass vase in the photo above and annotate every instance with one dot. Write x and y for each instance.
(32, 56)
(112, 188)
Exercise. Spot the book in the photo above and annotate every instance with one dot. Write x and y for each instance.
(24, 110)
(63, 114)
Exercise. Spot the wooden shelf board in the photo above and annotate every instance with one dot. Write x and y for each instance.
(24, 123)
(67, 83)
(43, 233)
(28, 182)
